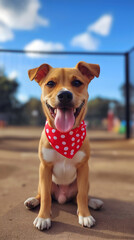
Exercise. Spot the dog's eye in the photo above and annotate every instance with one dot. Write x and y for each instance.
(76, 83)
(51, 84)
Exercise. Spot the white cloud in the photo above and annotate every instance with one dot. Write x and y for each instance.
(39, 45)
(13, 75)
(20, 15)
(85, 41)
(5, 33)
(102, 26)
(22, 98)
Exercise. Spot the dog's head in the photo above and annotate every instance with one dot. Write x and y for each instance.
(64, 92)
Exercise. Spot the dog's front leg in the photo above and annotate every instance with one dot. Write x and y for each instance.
(85, 218)
(43, 220)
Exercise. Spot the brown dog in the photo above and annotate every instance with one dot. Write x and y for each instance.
(63, 149)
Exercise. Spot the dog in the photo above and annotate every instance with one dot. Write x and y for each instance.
(64, 149)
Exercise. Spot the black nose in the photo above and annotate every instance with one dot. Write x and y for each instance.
(65, 97)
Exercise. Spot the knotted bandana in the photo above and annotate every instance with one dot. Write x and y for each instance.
(67, 143)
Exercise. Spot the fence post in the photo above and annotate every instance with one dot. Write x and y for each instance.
(127, 104)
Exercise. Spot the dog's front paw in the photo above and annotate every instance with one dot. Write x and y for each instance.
(42, 223)
(86, 221)
(31, 202)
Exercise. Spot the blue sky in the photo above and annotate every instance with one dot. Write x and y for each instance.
(71, 26)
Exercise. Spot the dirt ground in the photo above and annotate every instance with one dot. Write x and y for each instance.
(112, 180)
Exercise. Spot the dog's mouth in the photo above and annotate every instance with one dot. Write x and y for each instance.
(65, 116)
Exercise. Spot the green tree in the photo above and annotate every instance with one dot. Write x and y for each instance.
(8, 90)
(32, 113)
(9, 105)
(131, 90)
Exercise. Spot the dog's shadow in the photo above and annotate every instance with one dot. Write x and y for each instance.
(69, 207)
(64, 219)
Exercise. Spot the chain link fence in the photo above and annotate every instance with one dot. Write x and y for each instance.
(104, 108)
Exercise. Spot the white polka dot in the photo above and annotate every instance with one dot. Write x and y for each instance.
(82, 129)
(73, 139)
(83, 133)
(71, 133)
(71, 153)
(72, 150)
(65, 148)
(78, 146)
(73, 144)
(57, 147)
(49, 137)
(54, 137)
(65, 153)
(53, 130)
(81, 137)
(64, 143)
(62, 136)
(47, 130)
(78, 140)
(77, 135)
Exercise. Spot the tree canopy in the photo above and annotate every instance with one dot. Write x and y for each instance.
(8, 90)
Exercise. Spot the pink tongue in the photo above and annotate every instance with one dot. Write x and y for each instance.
(64, 120)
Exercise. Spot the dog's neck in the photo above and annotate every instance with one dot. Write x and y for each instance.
(67, 143)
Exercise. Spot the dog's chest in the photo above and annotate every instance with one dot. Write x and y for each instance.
(64, 169)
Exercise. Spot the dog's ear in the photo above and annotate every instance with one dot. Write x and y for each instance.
(88, 70)
(39, 73)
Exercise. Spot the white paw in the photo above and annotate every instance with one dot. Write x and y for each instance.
(42, 223)
(31, 202)
(86, 221)
(95, 203)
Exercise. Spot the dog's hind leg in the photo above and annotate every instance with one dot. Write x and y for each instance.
(33, 202)
(94, 203)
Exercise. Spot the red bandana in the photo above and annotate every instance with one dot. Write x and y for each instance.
(67, 143)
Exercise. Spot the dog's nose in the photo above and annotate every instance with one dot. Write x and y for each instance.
(65, 96)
